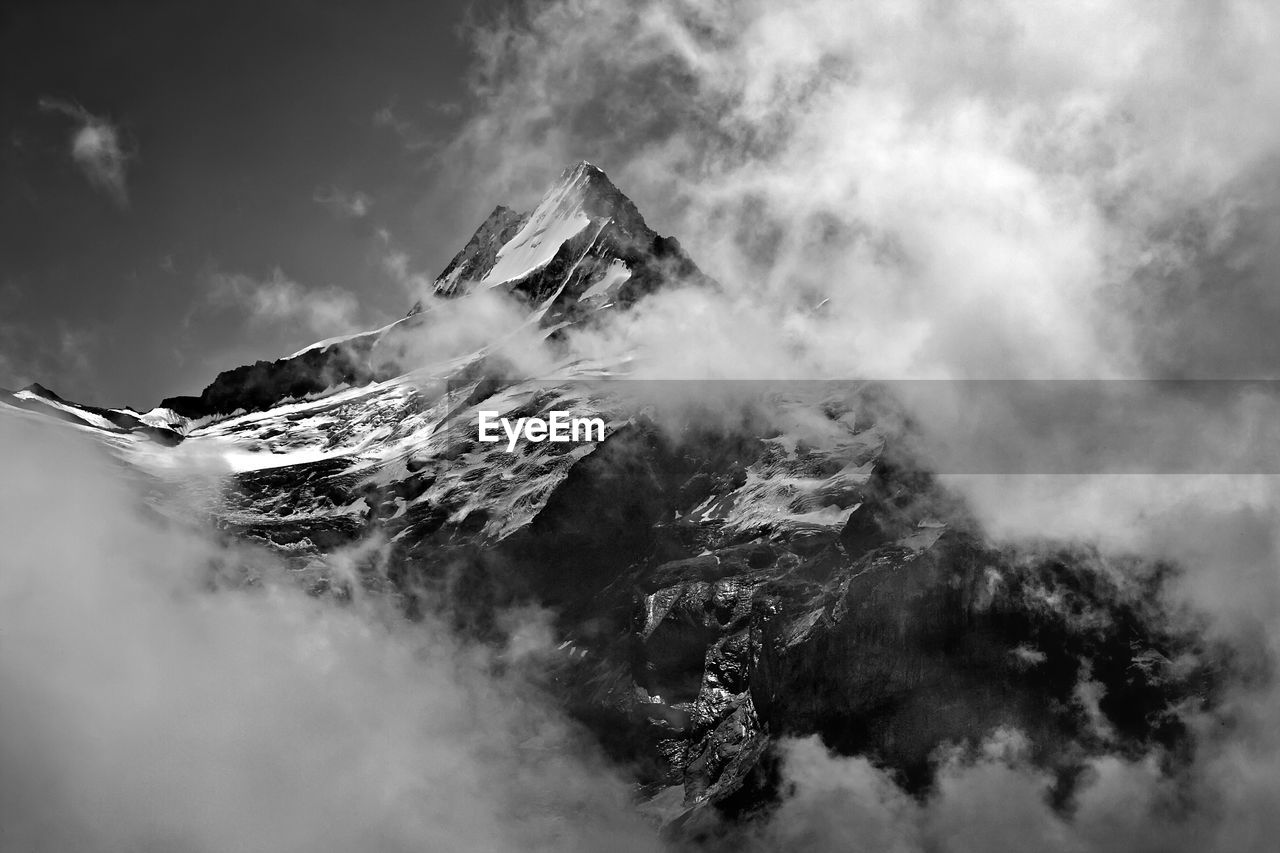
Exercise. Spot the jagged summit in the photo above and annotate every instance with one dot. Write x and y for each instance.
(509, 246)
(584, 247)
(41, 391)
(586, 187)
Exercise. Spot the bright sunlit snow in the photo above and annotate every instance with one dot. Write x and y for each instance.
(557, 218)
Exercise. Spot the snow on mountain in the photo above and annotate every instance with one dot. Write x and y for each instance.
(339, 339)
(480, 253)
(717, 582)
(53, 401)
(617, 273)
(558, 217)
(585, 239)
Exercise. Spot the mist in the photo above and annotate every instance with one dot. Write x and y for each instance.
(973, 190)
(886, 190)
(154, 700)
(963, 191)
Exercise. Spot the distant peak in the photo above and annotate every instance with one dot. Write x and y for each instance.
(41, 391)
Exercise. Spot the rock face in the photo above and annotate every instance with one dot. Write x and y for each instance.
(719, 582)
(585, 247)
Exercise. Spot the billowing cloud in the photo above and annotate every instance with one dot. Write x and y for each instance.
(279, 299)
(343, 204)
(961, 189)
(990, 798)
(149, 705)
(97, 148)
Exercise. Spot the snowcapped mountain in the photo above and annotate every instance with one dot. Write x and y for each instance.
(719, 582)
(583, 248)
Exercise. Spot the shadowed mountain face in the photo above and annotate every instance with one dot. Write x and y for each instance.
(762, 561)
(584, 248)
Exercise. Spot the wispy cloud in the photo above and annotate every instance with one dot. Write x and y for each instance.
(412, 137)
(397, 265)
(279, 299)
(343, 204)
(56, 354)
(386, 116)
(97, 148)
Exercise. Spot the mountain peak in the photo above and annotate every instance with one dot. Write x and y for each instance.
(583, 248)
(509, 246)
(584, 166)
(587, 188)
(41, 391)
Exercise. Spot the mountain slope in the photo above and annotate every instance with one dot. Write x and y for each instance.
(728, 565)
(583, 248)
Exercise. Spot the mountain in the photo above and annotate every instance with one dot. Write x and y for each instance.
(730, 564)
(584, 248)
(37, 398)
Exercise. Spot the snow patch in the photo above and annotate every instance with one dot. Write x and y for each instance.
(557, 218)
(617, 273)
(88, 417)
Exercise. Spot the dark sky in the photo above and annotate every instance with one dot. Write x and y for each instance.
(188, 186)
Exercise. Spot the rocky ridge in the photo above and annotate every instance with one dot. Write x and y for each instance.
(778, 567)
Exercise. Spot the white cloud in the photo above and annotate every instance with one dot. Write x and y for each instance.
(279, 299)
(149, 705)
(970, 190)
(412, 137)
(97, 148)
(343, 204)
(990, 798)
(397, 265)
(57, 355)
(971, 193)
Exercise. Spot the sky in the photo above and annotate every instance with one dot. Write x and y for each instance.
(185, 187)
(888, 188)
(965, 191)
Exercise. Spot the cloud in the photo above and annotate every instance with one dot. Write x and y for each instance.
(343, 204)
(398, 266)
(97, 148)
(961, 192)
(281, 300)
(914, 189)
(154, 702)
(990, 798)
(411, 137)
(56, 354)
(386, 116)
(906, 190)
